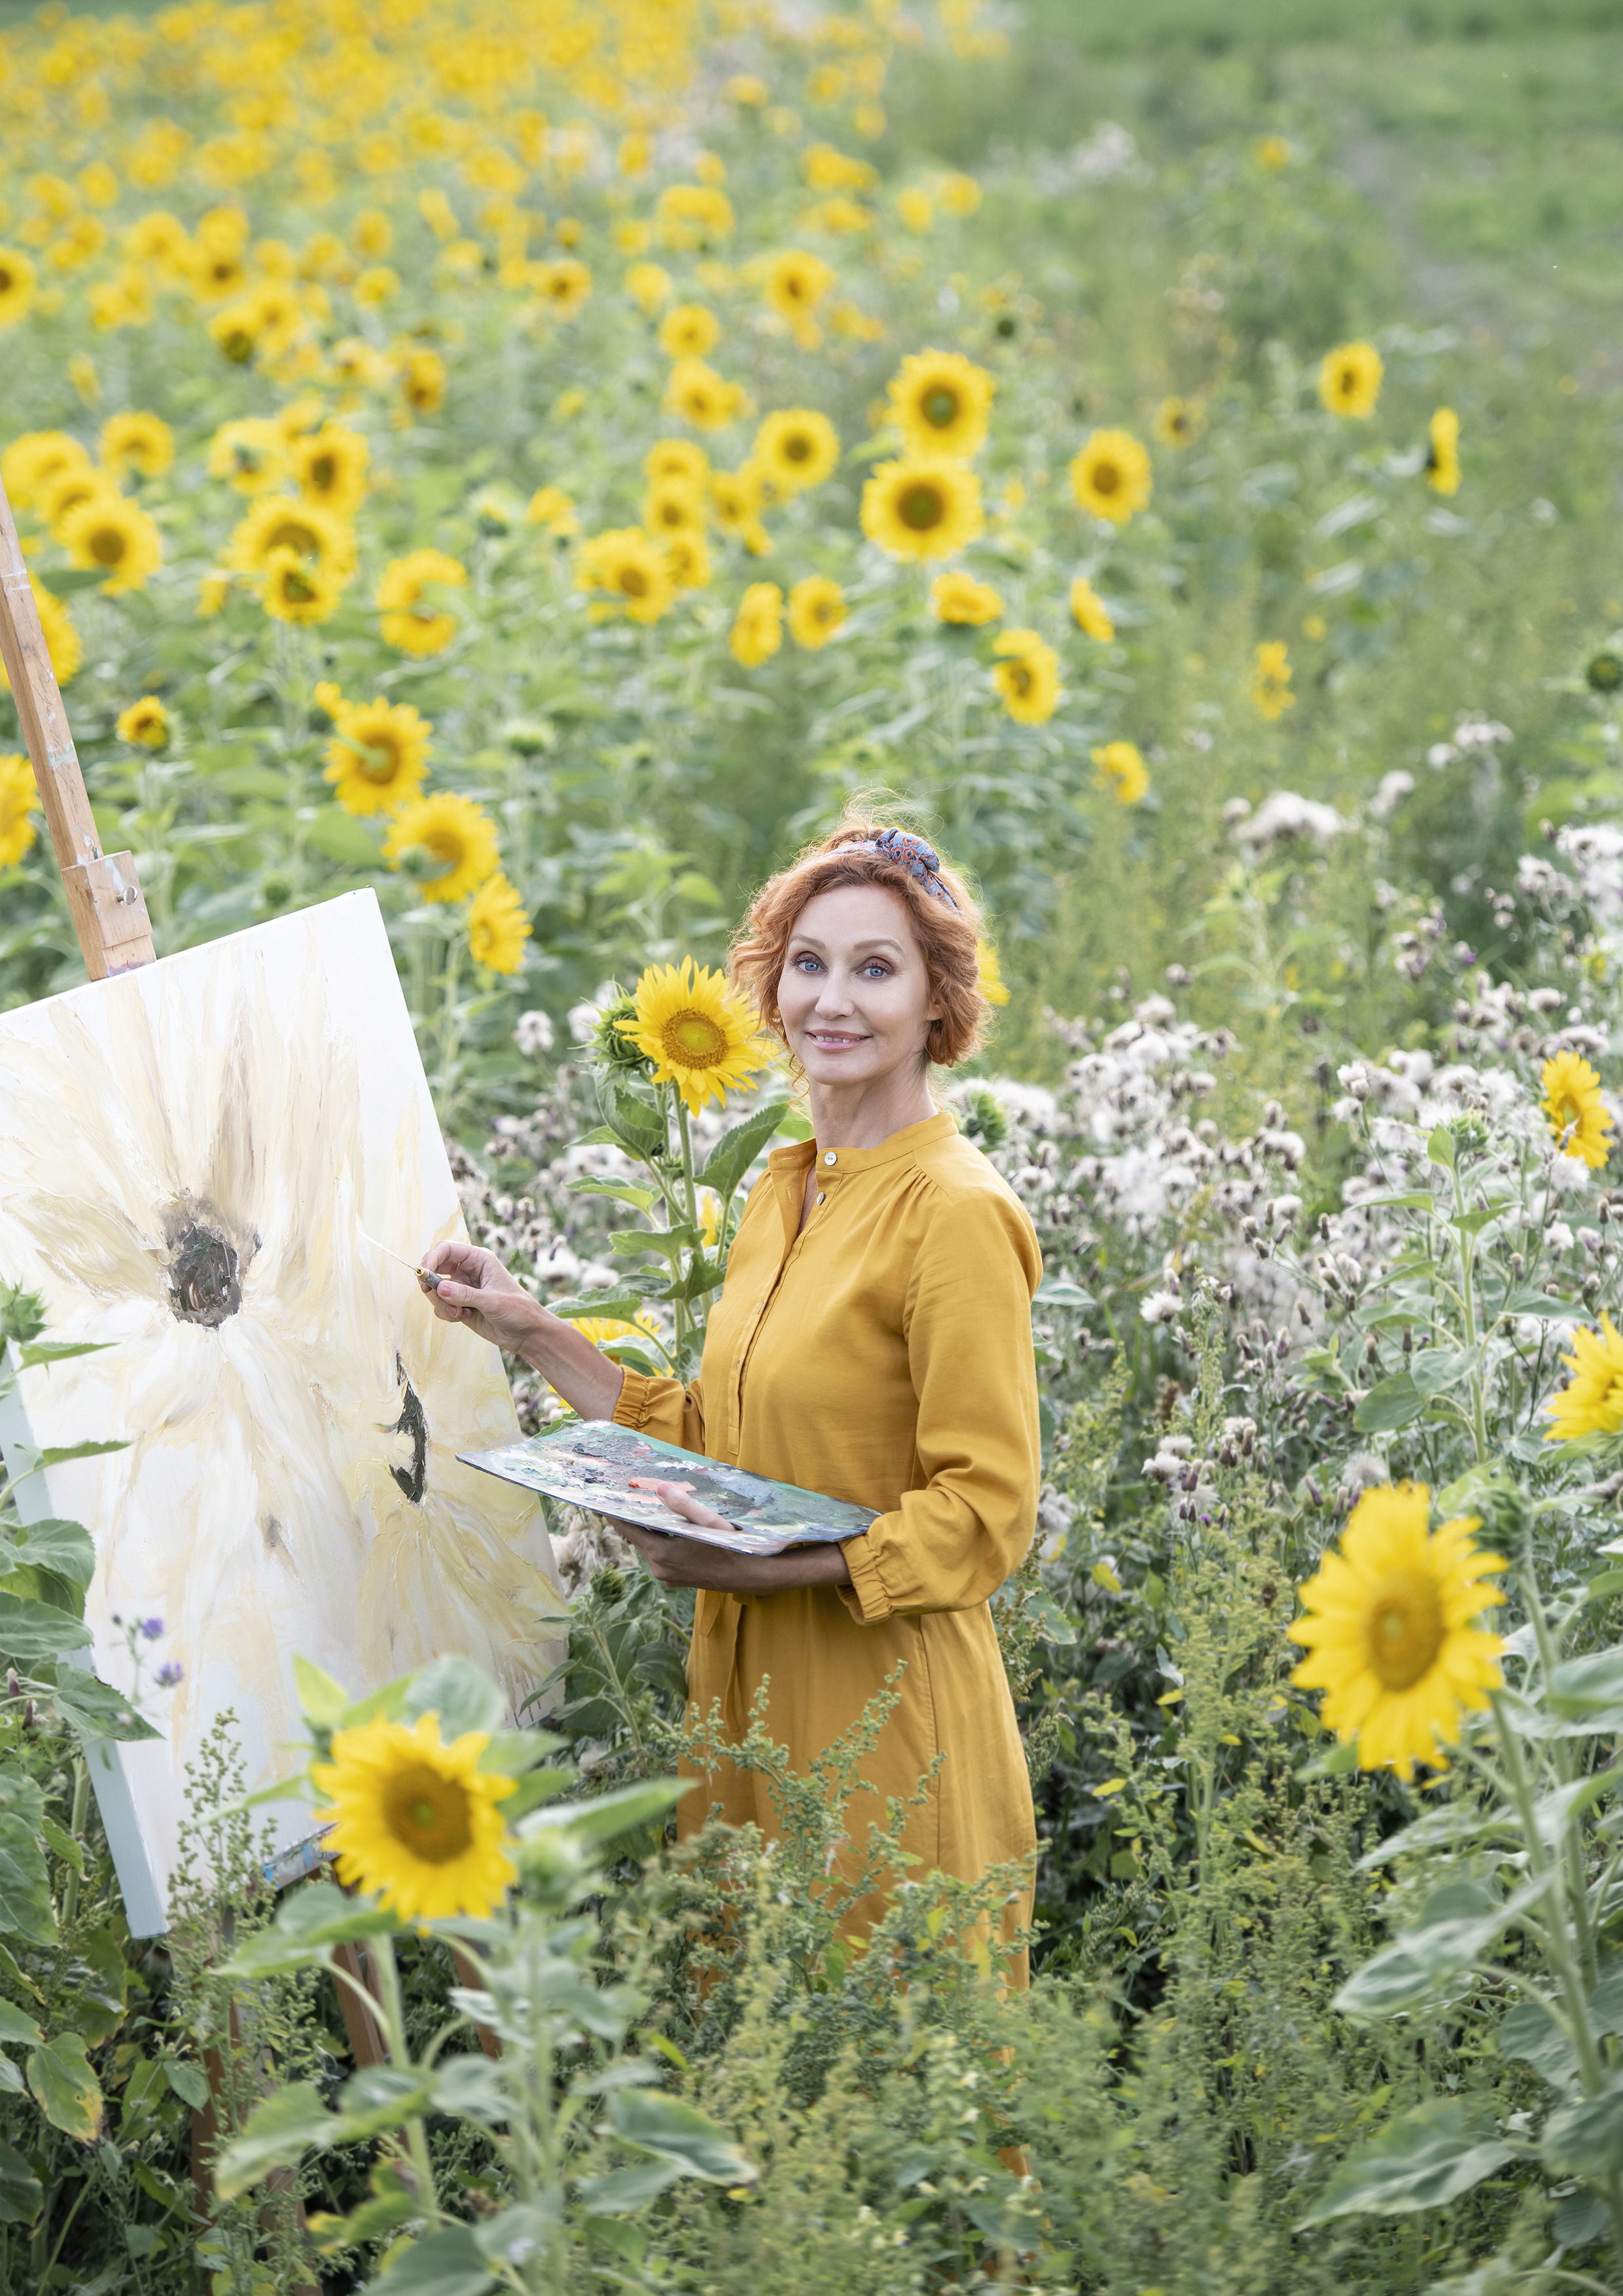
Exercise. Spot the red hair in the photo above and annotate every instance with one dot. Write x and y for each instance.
(948, 937)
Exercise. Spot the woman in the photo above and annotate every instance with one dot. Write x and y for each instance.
(872, 1341)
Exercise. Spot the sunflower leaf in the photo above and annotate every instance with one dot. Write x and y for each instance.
(290, 2122)
(736, 1149)
(1426, 2158)
(309, 1922)
(658, 2122)
(461, 1694)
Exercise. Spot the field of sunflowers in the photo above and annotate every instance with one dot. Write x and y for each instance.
(545, 463)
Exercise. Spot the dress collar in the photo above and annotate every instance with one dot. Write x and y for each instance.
(907, 1142)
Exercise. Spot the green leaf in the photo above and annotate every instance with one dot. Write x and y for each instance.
(1427, 2157)
(341, 838)
(389, 2208)
(619, 1307)
(518, 2233)
(1055, 1292)
(1456, 1925)
(607, 1816)
(17, 2025)
(447, 2263)
(1435, 1370)
(461, 1694)
(309, 1922)
(471, 2087)
(658, 2122)
(10, 2079)
(50, 1352)
(20, 2190)
(280, 2131)
(623, 1192)
(1529, 2035)
(1585, 2138)
(322, 1700)
(189, 2082)
(377, 2099)
(65, 2089)
(624, 2189)
(54, 1544)
(736, 1149)
(96, 1710)
(1580, 1687)
(32, 1630)
(1440, 1147)
(1390, 1406)
(62, 1844)
(61, 1456)
(25, 1886)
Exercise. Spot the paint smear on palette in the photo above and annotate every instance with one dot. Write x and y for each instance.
(188, 1156)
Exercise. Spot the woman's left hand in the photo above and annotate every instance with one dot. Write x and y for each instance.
(676, 1562)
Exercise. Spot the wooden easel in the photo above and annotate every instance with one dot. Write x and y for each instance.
(104, 892)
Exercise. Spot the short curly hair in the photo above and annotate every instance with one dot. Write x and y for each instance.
(949, 938)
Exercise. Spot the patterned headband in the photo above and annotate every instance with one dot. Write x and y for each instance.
(901, 845)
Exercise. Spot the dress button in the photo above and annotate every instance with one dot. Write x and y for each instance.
(819, 1195)
(831, 1157)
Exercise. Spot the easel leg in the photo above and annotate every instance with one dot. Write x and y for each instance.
(205, 2129)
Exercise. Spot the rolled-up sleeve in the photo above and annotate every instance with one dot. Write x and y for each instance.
(954, 1539)
(663, 1408)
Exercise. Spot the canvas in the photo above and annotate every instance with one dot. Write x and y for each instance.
(189, 1156)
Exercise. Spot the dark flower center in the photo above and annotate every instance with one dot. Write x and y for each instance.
(204, 1285)
(921, 508)
(941, 408)
(108, 545)
(1107, 477)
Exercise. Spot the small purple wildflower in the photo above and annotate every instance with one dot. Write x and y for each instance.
(152, 1629)
(170, 1674)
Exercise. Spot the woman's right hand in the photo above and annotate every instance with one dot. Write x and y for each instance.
(478, 1291)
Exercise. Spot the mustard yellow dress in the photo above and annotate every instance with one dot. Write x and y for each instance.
(882, 1356)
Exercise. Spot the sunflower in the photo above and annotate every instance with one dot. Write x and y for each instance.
(794, 283)
(408, 623)
(647, 285)
(330, 466)
(1592, 1403)
(1389, 1629)
(235, 331)
(599, 1329)
(497, 925)
(1028, 676)
(378, 756)
(32, 461)
(17, 277)
(758, 629)
(673, 508)
(160, 240)
(1271, 694)
(116, 536)
(940, 402)
(1088, 612)
(295, 589)
(137, 442)
(550, 507)
(61, 639)
(1111, 477)
(693, 215)
(1122, 770)
(415, 1821)
(252, 454)
(316, 536)
(18, 797)
(1443, 452)
(454, 833)
(678, 459)
(631, 568)
(422, 383)
(796, 449)
(1179, 422)
(65, 492)
(958, 598)
(988, 977)
(1349, 379)
(700, 396)
(1578, 1115)
(689, 331)
(735, 497)
(701, 1036)
(928, 507)
(563, 286)
(1271, 153)
(146, 722)
(816, 609)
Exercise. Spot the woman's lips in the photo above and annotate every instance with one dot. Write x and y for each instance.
(832, 1044)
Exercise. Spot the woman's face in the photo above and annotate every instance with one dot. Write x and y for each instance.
(854, 996)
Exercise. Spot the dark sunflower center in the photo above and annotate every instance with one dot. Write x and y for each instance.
(324, 471)
(1021, 672)
(427, 1815)
(941, 408)
(204, 1285)
(921, 508)
(692, 1040)
(797, 447)
(1405, 1628)
(292, 534)
(633, 581)
(109, 546)
(1107, 477)
(8, 279)
(298, 588)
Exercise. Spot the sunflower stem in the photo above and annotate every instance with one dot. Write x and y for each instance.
(392, 2004)
(691, 1202)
